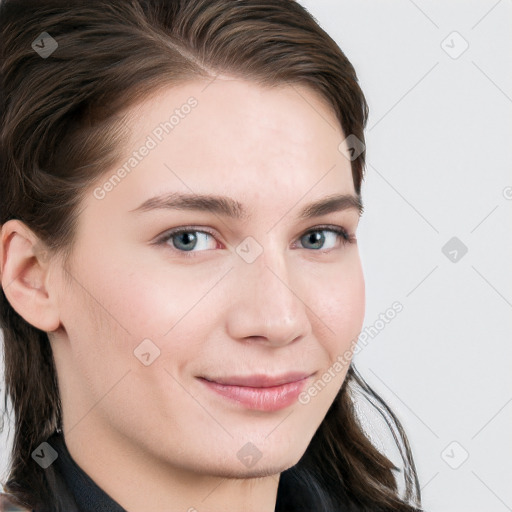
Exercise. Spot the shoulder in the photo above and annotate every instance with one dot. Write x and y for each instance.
(9, 504)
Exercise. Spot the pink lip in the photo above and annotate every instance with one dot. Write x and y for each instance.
(259, 392)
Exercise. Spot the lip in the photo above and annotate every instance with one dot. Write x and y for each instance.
(260, 380)
(259, 392)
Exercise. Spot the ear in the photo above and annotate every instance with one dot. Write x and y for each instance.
(24, 267)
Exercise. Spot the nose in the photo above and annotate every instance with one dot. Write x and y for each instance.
(269, 303)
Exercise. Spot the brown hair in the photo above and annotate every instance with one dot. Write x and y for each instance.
(62, 125)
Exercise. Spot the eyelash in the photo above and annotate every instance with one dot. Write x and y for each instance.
(342, 233)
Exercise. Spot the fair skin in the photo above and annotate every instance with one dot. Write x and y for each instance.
(155, 437)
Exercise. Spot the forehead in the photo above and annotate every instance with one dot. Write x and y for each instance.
(234, 137)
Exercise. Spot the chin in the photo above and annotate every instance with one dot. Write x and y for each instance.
(260, 470)
(243, 459)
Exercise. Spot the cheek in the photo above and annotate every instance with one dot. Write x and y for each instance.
(341, 307)
(107, 312)
(136, 302)
(169, 308)
(340, 303)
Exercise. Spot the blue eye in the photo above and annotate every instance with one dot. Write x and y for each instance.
(316, 237)
(185, 240)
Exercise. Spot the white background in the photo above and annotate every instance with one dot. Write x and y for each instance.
(439, 152)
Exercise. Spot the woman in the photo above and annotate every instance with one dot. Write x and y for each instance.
(176, 178)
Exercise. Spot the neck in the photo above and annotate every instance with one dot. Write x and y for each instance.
(138, 481)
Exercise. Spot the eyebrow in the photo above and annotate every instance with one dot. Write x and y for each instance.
(229, 207)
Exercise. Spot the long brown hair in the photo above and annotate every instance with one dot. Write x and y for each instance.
(62, 127)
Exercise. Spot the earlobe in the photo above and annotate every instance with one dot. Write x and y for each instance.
(24, 272)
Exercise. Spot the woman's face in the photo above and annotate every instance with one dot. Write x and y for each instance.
(146, 316)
